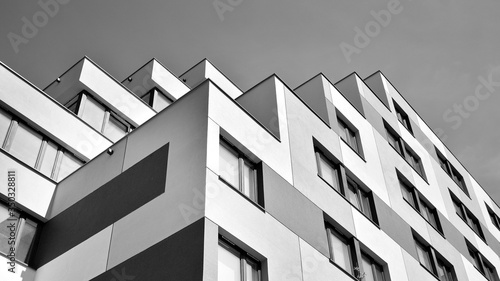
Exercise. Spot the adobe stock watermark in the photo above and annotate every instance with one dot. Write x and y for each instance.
(460, 111)
(363, 38)
(31, 26)
(222, 6)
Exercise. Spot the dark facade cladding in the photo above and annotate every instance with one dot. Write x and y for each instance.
(120, 196)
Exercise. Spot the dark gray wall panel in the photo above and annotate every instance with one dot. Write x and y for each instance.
(392, 224)
(106, 205)
(178, 257)
(294, 210)
(453, 235)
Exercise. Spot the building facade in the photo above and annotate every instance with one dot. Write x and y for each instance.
(165, 177)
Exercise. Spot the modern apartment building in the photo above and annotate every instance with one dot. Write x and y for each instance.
(165, 177)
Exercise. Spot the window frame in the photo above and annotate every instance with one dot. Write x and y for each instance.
(9, 138)
(244, 257)
(495, 220)
(348, 243)
(151, 98)
(374, 266)
(21, 221)
(467, 216)
(79, 101)
(481, 263)
(436, 260)
(402, 117)
(242, 161)
(405, 151)
(425, 209)
(451, 171)
(350, 135)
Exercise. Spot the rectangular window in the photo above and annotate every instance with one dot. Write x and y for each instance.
(394, 140)
(414, 161)
(68, 165)
(25, 230)
(451, 171)
(359, 198)
(419, 203)
(371, 269)
(236, 265)
(403, 117)
(495, 220)
(408, 194)
(327, 170)
(98, 116)
(156, 99)
(467, 216)
(481, 264)
(236, 170)
(433, 261)
(445, 271)
(424, 255)
(430, 215)
(340, 250)
(349, 135)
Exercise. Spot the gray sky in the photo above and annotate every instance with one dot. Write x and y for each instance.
(436, 52)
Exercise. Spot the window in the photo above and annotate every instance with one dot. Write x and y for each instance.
(99, 116)
(237, 171)
(419, 203)
(408, 194)
(394, 140)
(495, 220)
(371, 269)
(404, 150)
(445, 271)
(467, 216)
(433, 261)
(451, 171)
(156, 99)
(340, 250)
(335, 175)
(236, 265)
(403, 117)
(424, 255)
(360, 198)
(25, 230)
(34, 149)
(481, 264)
(430, 215)
(349, 135)
(327, 170)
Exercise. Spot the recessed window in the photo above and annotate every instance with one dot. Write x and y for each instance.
(25, 231)
(433, 261)
(34, 149)
(403, 117)
(235, 264)
(156, 99)
(451, 171)
(495, 220)
(467, 216)
(350, 135)
(408, 194)
(424, 255)
(481, 264)
(419, 203)
(371, 269)
(328, 170)
(360, 198)
(340, 250)
(394, 140)
(99, 116)
(237, 170)
(404, 150)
